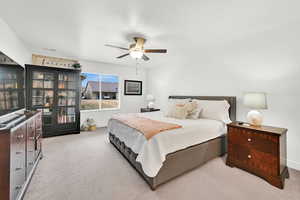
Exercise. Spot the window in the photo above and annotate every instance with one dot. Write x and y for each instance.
(99, 91)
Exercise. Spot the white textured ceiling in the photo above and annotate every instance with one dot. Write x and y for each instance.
(80, 28)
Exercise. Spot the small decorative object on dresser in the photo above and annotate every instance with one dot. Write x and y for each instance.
(132, 87)
(149, 110)
(259, 150)
(256, 101)
(76, 65)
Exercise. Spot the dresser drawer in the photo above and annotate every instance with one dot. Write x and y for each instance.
(30, 160)
(253, 140)
(253, 160)
(17, 176)
(16, 187)
(18, 137)
(18, 144)
(17, 161)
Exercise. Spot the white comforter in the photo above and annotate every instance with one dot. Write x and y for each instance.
(152, 153)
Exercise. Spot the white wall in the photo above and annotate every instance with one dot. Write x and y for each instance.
(268, 62)
(12, 46)
(128, 103)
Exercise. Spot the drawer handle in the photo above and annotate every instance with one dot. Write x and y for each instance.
(30, 151)
(20, 136)
(249, 140)
(249, 156)
(19, 152)
(31, 163)
(18, 187)
(18, 168)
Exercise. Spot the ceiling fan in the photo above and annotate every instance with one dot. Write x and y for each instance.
(137, 50)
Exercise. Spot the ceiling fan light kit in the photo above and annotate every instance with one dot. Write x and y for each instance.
(136, 54)
(137, 50)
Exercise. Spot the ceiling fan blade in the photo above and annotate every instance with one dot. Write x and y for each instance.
(123, 55)
(145, 58)
(113, 46)
(155, 50)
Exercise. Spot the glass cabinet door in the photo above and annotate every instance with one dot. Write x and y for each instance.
(10, 91)
(42, 94)
(66, 98)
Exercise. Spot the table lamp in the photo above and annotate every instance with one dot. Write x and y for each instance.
(150, 98)
(256, 101)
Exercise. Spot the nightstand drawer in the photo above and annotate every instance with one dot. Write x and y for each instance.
(255, 161)
(253, 140)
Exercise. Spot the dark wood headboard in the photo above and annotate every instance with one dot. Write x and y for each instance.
(230, 99)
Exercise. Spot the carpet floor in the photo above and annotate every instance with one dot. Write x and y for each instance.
(87, 167)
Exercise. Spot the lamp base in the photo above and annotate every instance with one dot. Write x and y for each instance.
(150, 105)
(255, 118)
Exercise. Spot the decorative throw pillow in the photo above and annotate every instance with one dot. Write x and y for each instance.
(180, 112)
(187, 110)
(177, 111)
(194, 110)
(172, 104)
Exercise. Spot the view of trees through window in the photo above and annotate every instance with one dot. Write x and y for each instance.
(99, 91)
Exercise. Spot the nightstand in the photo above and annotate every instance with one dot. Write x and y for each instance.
(258, 150)
(149, 110)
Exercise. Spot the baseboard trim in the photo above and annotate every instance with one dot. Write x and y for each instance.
(293, 164)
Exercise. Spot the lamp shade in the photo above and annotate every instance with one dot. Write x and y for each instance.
(150, 97)
(255, 100)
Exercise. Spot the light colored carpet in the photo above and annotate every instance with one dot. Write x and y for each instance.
(88, 167)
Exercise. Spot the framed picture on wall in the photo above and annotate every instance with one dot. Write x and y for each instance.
(132, 87)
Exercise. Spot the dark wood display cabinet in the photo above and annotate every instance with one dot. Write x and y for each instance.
(56, 93)
(20, 152)
(11, 88)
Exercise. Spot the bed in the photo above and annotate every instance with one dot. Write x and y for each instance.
(175, 163)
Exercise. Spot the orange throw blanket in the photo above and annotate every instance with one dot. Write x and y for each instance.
(147, 127)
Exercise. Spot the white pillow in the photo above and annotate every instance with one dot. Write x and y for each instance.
(217, 110)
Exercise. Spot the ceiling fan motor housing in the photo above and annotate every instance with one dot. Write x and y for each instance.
(138, 45)
(133, 47)
(137, 50)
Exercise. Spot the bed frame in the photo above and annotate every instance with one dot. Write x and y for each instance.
(182, 161)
